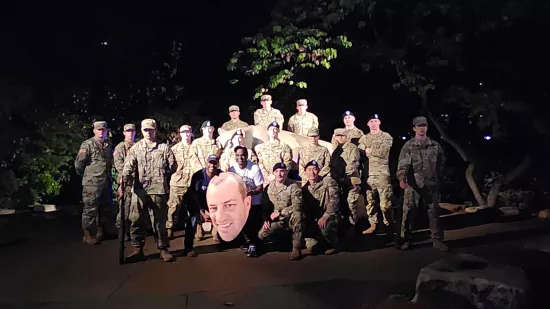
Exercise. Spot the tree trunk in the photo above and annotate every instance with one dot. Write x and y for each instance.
(513, 174)
(471, 167)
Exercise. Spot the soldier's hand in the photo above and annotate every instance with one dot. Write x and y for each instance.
(322, 222)
(266, 225)
(403, 184)
(275, 215)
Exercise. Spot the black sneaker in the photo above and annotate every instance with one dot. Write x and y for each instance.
(245, 246)
(252, 251)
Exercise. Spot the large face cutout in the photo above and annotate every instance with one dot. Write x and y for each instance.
(228, 204)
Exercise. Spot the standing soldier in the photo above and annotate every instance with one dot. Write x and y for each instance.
(302, 121)
(121, 150)
(267, 114)
(321, 202)
(271, 152)
(353, 133)
(316, 152)
(147, 167)
(377, 145)
(419, 172)
(234, 122)
(205, 146)
(94, 162)
(180, 180)
(345, 170)
(285, 198)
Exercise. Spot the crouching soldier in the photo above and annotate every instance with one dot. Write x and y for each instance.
(285, 198)
(321, 203)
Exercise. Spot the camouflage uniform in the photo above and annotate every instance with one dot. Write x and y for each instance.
(264, 118)
(313, 152)
(321, 199)
(202, 148)
(353, 135)
(121, 150)
(94, 162)
(152, 165)
(420, 165)
(345, 170)
(272, 152)
(300, 124)
(233, 125)
(179, 182)
(286, 199)
(379, 146)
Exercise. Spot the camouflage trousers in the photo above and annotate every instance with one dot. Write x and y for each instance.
(98, 210)
(154, 206)
(314, 234)
(379, 186)
(294, 223)
(175, 203)
(411, 201)
(351, 193)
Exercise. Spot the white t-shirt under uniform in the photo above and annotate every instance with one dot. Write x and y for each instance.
(252, 176)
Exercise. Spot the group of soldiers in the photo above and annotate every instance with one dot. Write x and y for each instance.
(159, 183)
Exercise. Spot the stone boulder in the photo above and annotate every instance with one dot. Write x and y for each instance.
(479, 282)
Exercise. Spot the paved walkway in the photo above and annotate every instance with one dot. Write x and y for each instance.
(53, 269)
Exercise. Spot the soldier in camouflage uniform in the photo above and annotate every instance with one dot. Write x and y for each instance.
(180, 180)
(271, 152)
(316, 152)
(204, 146)
(419, 172)
(146, 171)
(285, 198)
(377, 145)
(345, 170)
(302, 121)
(235, 122)
(321, 208)
(353, 133)
(121, 150)
(228, 156)
(94, 162)
(267, 114)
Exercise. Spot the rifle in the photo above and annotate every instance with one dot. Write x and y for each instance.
(122, 229)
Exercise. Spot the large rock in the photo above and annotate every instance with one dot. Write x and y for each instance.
(482, 283)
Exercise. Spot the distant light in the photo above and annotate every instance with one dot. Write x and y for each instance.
(403, 137)
(104, 43)
(481, 83)
(487, 137)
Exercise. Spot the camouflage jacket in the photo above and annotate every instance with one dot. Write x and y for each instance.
(94, 162)
(264, 118)
(321, 199)
(271, 153)
(421, 162)
(285, 198)
(301, 124)
(345, 162)
(201, 148)
(185, 163)
(152, 167)
(232, 125)
(121, 151)
(314, 152)
(227, 158)
(378, 146)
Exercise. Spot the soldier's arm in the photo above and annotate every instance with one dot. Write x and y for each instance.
(257, 118)
(280, 119)
(404, 163)
(301, 164)
(194, 158)
(315, 122)
(296, 197)
(172, 162)
(82, 158)
(261, 162)
(326, 167)
(291, 124)
(384, 150)
(130, 165)
(352, 167)
(362, 145)
(332, 198)
(287, 157)
(118, 159)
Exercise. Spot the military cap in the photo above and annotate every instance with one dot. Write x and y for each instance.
(211, 158)
(348, 113)
(234, 108)
(129, 126)
(279, 165)
(206, 124)
(312, 163)
(301, 102)
(340, 132)
(148, 124)
(313, 132)
(273, 124)
(239, 132)
(265, 97)
(185, 128)
(374, 116)
(100, 125)
(420, 120)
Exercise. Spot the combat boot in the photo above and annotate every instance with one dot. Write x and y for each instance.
(296, 254)
(441, 246)
(89, 239)
(169, 233)
(166, 256)
(370, 230)
(136, 255)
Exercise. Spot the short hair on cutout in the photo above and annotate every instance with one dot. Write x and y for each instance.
(243, 189)
(241, 147)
